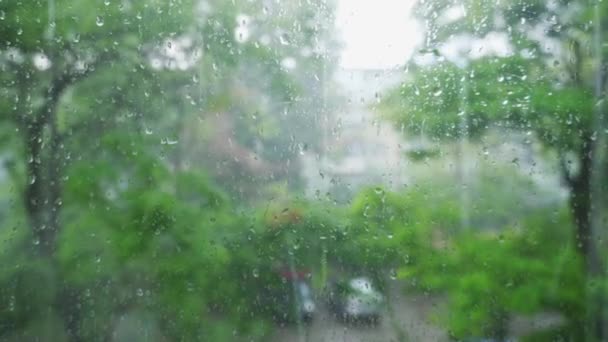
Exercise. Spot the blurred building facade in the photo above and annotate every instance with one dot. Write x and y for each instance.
(358, 149)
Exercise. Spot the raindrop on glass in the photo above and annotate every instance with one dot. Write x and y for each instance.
(284, 39)
(168, 141)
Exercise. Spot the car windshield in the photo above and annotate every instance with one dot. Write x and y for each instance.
(361, 285)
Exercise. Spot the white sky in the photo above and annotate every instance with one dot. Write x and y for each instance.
(377, 33)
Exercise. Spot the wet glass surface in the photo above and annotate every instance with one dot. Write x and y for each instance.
(306, 170)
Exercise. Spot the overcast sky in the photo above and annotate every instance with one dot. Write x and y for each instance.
(377, 33)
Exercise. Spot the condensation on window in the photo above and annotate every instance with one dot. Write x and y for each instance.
(311, 170)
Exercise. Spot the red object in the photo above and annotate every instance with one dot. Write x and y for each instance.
(297, 275)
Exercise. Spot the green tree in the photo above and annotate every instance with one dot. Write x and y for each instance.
(50, 54)
(490, 277)
(519, 259)
(96, 102)
(552, 94)
(60, 59)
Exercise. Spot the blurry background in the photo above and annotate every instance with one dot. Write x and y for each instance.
(303, 170)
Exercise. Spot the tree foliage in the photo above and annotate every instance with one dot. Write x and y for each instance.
(547, 84)
(117, 223)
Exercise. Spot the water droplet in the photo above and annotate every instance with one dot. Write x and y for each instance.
(593, 136)
(438, 93)
(36, 241)
(168, 141)
(106, 2)
(11, 304)
(393, 274)
(389, 236)
(99, 21)
(284, 39)
(33, 180)
(148, 131)
(140, 292)
(2, 15)
(255, 273)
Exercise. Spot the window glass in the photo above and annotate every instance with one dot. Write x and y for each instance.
(305, 170)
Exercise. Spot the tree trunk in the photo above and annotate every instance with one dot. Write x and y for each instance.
(35, 189)
(43, 143)
(580, 205)
(580, 202)
(56, 160)
(45, 159)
